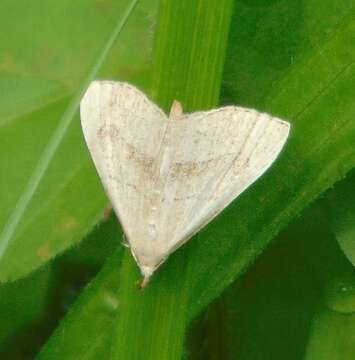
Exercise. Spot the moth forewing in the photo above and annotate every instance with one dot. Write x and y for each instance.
(168, 177)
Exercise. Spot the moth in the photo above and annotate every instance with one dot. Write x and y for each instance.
(167, 176)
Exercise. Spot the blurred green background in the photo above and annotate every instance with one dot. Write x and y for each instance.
(272, 277)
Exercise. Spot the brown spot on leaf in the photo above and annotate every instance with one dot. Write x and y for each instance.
(44, 252)
(68, 223)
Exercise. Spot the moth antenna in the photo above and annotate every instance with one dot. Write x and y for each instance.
(175, 110)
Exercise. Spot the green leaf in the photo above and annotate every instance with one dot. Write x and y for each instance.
(256, 309)
(332, 336)
(23, 306)
(333, 273)
(98, 246)
(332, 330)
(53, 197)
(99, 301)
(341, 208)
(52, 60)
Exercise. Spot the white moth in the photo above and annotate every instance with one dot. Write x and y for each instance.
(168, 176)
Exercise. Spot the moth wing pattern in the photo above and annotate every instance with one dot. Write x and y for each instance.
(214, 157)
(168, 177)
(122, 129)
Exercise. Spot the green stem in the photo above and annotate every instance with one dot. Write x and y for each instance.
(189, 50)
(151, 322)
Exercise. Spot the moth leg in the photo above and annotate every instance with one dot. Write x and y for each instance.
(144, 282)
(124, 241)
